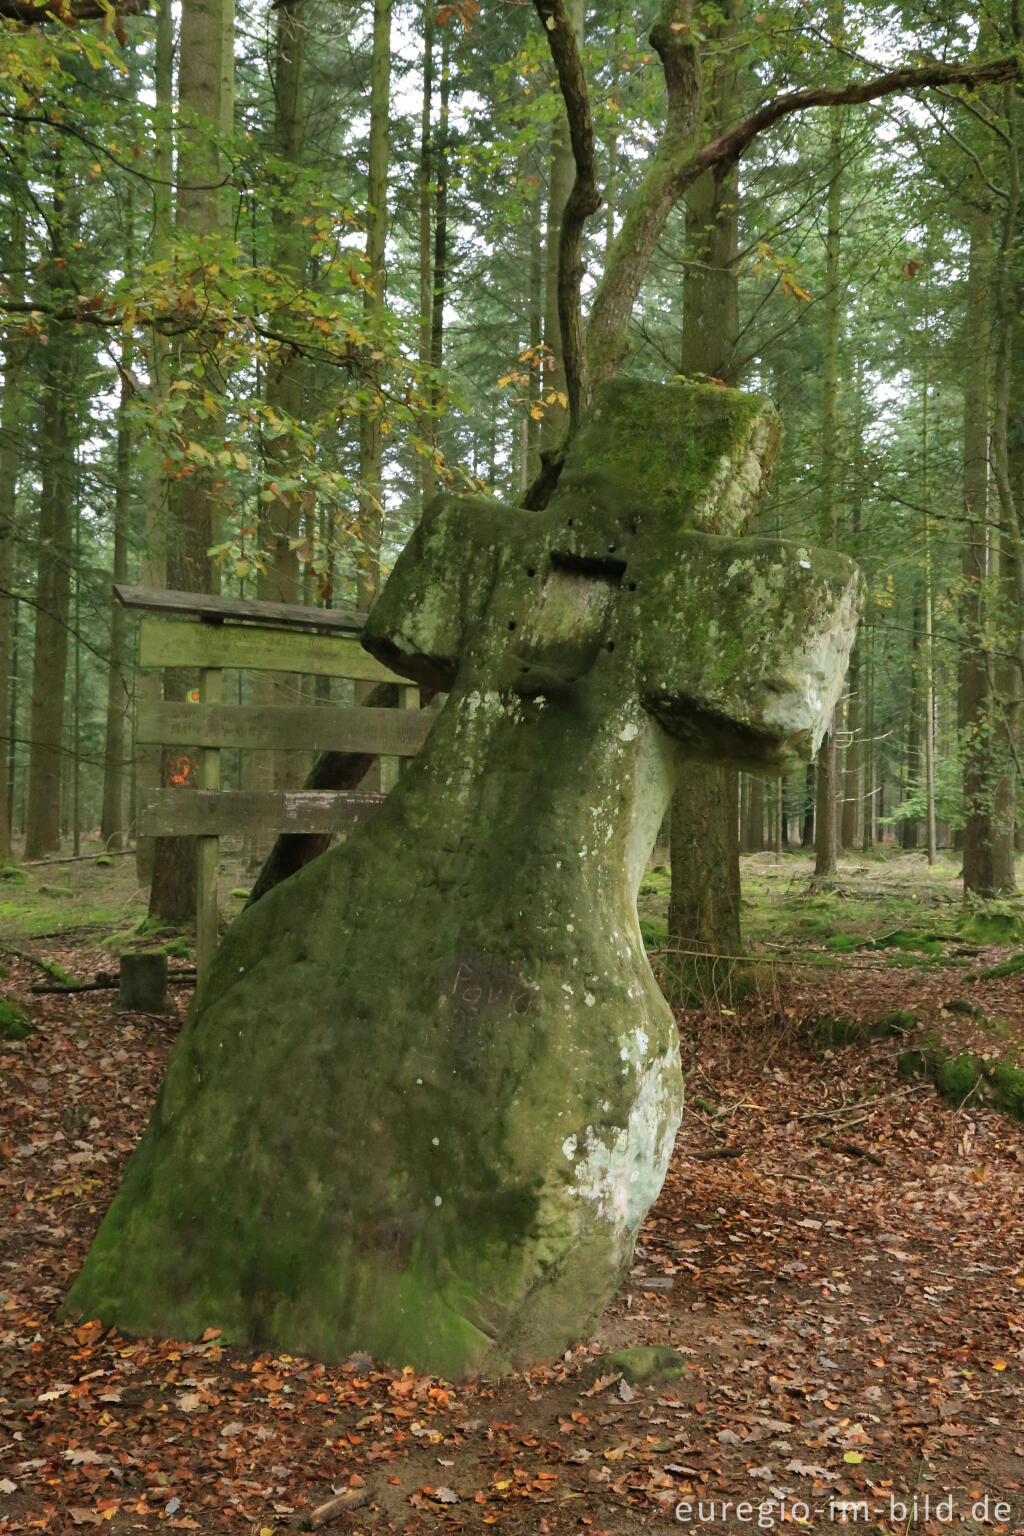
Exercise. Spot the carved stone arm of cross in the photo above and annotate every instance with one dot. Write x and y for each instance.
(737, 646)
(745, 648)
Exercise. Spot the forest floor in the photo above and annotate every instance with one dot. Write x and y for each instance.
(838, 1256)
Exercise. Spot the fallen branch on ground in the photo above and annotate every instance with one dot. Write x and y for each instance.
(352, 1498)
(105, 982)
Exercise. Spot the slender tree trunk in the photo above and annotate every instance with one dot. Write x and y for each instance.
(704, 904)
(153, 565)
(827, 782)
(12, 718)
(851, 765)
(206, 96)
(281, 581)
(371, 461)
(56, 450)
(428, 473)
(807, 824)
(909, 827)
(53, 597)
(975, 702)
(562, 173)
(928, 655)
(439, 283)
(536, 342)
(112, 814)
(755, 815)
(852, 794)
(611, 186)
(15, 352)
(1009, 523)
(866, 641)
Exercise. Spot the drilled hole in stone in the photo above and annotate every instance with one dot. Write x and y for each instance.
(612, 548)
(530, 571)
(632, 586)
(568, 522)
(511, 623)
(611, 645)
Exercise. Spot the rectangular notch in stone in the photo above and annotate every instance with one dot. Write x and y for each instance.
(563, 634)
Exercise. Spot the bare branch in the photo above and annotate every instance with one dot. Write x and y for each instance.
(669, 176)
(583, 200)
(721, 154)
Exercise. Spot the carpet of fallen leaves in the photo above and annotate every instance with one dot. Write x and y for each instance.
(838, 1256)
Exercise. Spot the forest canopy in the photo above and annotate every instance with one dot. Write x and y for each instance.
(273, 274)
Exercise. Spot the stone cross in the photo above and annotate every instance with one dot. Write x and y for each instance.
(430, 1089)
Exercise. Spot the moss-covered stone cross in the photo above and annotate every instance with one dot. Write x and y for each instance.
(430, 1089)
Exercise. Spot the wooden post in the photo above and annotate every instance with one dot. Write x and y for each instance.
(211, 691)
(408, 698)
(143, 982)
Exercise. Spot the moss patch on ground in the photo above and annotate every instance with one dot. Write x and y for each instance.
(14, 1022)
(831, 1031)
(966, 1075)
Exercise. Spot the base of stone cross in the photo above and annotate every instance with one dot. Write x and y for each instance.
(430, 1088)
(371, 1135)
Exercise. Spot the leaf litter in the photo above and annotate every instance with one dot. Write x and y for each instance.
(853, 1327)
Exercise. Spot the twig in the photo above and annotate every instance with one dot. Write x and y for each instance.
(108, 983)
(46, 966)
(854, 1149)
(846, 1125)
(584, 200)
(873, 1101)
(713, 1153)
(82, 858)
(352, 1498)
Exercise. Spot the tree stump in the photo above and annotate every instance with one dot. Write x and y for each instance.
(143, 986)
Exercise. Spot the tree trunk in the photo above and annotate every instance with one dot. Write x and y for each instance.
(281, 580)
(909, 826)
(826, 832)
(704, 902)
(370, 437)
(55, 561)
(866, 641)
(1007, 525)
(754, 841)
(561, 175)
(112, 814)
(153, 565)
(851, 766)
(536, 342)
(439, 283)
(15, 350)
(807, 824)
(428, 431)
(975, 692)
(206, 97)
(703, 909)
(852, 776)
